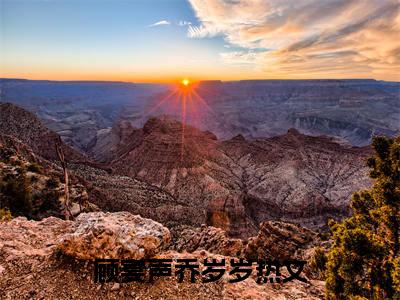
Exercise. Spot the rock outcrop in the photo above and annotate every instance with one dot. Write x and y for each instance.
(24, 239)
(212, 239)
(112, 192)
(186, 163)
(115, 235)
(110, 142)
(29, 253)
(279, 240)
(298, 178)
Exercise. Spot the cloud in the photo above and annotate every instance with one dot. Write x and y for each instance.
(201, 31)
(160, 23)
(241, 57)
(310, 38)
(184, 23)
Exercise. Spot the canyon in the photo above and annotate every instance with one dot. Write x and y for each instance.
(255, 169)
(182, 176)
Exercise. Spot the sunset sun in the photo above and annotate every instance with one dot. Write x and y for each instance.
(185, 82)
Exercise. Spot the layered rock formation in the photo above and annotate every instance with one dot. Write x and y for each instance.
(238, 183)
(108, 142)
(76, 110)
(296, 177)
(112, 192)
(188, 164)
(212, 239)
(88, 184)
(279, 240)
(180, 175)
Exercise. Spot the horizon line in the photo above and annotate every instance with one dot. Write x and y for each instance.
(205, 80)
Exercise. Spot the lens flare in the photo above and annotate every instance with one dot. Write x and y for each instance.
(185, 103)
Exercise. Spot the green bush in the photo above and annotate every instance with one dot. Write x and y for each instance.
(52, 183)
(363, 262)
(50, 201)
(35, 168)
(5, 215)
(318, 261)
(15, 194)
(34, 179)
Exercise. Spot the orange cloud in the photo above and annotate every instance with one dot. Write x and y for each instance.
(336, 38)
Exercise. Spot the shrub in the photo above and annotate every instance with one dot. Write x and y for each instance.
(5, 215)
(16, 194)
(52, 183)
(318, 261)
(35, 168)
(34, 179)
(50, 201)
(365, 256)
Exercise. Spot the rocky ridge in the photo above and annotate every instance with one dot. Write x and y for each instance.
(26, 127)
(180, 175)
(238, 183)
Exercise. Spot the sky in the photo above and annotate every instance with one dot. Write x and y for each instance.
(167, 40)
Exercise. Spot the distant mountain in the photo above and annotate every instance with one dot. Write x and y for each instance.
(76, 110)
(351, 110)
(238, 183)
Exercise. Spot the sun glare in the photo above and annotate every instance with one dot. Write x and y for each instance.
(183, 100)
(185, 82)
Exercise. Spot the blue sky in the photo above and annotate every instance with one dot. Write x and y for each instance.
(103, 39)
(164, 40)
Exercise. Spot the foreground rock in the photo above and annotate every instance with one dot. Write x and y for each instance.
(31, 269)
(208, 238)
(275, 240)
(115, 235)
(21, 239)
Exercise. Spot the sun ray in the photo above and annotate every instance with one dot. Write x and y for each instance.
(161, 102)
(203, 101)
(185, 103)
(194, 111)
(183, 122)
(213, 113)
